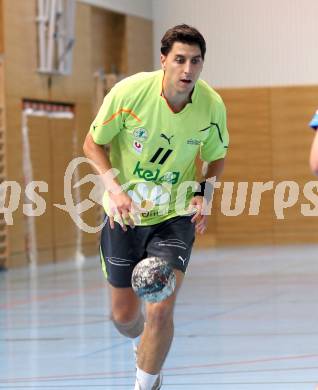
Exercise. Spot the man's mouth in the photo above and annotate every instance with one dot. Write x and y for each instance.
(186, 81)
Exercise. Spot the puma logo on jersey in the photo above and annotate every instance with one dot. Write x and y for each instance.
(166, 138)
(183, 260)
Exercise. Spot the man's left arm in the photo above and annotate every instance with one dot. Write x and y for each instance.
(213, 173)
(215, 169)
(212, 151)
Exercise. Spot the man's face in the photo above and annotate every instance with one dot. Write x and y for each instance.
(182, 67)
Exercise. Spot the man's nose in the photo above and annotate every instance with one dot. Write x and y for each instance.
(188, 67)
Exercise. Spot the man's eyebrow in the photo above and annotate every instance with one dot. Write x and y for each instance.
(182, 55)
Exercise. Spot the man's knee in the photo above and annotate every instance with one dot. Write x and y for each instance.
(129, 327)
(160, 314)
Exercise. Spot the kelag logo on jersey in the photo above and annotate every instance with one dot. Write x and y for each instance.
(155, 176)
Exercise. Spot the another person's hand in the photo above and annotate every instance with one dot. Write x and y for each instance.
(314, 155)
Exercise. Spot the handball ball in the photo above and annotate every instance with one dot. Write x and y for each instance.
(153, 279)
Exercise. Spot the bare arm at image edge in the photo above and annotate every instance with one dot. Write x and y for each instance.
(314, 147)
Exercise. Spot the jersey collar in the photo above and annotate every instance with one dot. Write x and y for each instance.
(192, 97)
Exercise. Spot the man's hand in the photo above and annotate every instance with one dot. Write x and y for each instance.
(121, 206)
(201, 221)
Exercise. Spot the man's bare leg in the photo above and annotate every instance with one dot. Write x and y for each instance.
(158, 333)
(126, 312)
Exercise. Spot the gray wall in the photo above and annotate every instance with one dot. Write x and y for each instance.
(250, 42)
(142, 8)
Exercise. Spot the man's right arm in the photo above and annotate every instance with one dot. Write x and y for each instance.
(96, 153)
(101, 164)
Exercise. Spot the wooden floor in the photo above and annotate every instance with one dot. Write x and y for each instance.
(246, 319)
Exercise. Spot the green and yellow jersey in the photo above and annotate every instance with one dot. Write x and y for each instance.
(154, 148)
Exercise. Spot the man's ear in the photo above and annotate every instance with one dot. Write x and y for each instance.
(163, 61)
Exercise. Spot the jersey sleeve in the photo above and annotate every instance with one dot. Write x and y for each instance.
(216, 145)
(314, 122)
(109, 119)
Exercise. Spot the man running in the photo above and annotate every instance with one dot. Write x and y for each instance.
(156, 124)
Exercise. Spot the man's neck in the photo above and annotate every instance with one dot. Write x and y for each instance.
(175, 100)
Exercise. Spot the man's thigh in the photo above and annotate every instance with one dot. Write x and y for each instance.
(167, 305)
(172, 240)
(124, 304)
(120, 251)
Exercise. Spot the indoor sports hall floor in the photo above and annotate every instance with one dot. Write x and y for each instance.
(246, 319)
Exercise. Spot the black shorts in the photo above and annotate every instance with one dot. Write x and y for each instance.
(120, 251)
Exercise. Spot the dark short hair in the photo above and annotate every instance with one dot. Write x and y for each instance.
(184, 34)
